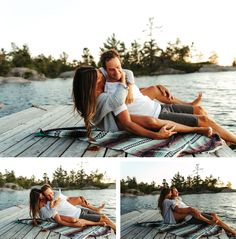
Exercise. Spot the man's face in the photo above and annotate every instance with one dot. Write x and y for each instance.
(114, 69)
(175, 192)
(49, 194)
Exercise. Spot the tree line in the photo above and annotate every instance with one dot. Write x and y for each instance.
(142, 59)
(189, 184)
(61, 178)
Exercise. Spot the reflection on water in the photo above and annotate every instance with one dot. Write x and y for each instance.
(224, 204)
(218, 93)
(95, 197)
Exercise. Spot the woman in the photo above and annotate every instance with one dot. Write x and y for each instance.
(172, 212)
(97, 107)
(38, 209)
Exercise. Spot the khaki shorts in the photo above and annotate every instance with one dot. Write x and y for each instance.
(182, 114)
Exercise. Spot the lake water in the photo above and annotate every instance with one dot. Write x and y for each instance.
(219, 93)
(224, 204)
(95, 197)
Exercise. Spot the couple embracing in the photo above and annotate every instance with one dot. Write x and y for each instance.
(67, 211)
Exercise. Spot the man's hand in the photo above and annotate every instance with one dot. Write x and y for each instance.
(166, 131)
(130, 96)
(165, 92)
(56, 202)
(122, 79)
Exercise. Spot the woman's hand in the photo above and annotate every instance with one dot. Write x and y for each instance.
(56, 202)
(122, 79)
(166, 131)
(130, 96)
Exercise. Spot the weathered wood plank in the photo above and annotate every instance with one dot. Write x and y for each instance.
(76, 149)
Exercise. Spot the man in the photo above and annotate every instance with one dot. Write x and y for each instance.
(65, 206)
(50, 195)
(188, 115)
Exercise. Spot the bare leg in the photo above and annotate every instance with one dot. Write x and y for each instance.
(108, 221)
(181, 216)
(154, 124)
(81, 222)
(154, 92)
(205, 121)
(217, 221)
(84, 203)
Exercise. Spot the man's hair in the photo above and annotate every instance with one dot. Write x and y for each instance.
(107, 56)
(45, 187)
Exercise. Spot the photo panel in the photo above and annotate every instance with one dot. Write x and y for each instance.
(178, 198)
(73, 197)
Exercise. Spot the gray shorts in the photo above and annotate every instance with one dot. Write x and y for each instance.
(182, 114)
(89, 215)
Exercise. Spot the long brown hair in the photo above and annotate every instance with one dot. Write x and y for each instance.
(34, 204)
(84, 94)
(164, 192)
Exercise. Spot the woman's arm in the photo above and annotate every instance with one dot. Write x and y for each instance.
(74, 222)
(125, 123)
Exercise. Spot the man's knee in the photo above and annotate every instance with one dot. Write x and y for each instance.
(199, 110)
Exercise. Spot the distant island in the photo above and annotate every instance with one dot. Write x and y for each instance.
(148, 59)
(188, 185)
(73, 180)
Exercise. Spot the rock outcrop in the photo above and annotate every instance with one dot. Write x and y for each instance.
(67, 74)
(26, 73)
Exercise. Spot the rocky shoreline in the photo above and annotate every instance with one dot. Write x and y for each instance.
(135, 192)
(26, 75)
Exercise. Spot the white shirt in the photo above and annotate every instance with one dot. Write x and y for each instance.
(142, 105)
(64, 208)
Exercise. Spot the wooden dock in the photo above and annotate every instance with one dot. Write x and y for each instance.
(9, 229)
(130, 230)
(17, 138)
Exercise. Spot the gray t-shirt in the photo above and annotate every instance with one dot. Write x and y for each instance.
(168, 206)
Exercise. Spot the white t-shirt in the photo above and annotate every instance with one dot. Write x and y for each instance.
(142, 105)
(64, 208)
(168, 206)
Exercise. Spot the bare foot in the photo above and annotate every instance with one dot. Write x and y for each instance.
(207, 131)
(198, 100)
(101, 207)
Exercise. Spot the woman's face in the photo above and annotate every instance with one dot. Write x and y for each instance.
(100, 83)
(169, 195)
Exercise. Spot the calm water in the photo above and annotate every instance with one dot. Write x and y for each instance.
(95, 197)
(219, 93)
(224, 204)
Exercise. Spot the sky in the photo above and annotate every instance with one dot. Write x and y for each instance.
(50, 27)
(146, 171)
(38, 166)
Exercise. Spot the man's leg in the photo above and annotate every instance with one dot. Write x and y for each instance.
(153, 92)
(84, 203)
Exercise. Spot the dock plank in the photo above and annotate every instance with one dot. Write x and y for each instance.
(129, 229)
(17, 140)
(10, 229)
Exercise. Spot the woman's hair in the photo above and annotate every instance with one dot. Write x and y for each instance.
(84, 94)
(34, 204)
(164, 192)
(107, 56)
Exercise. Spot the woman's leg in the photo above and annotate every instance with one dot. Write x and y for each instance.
(154, 92)
(84, 203)
(217, 221)
(108, 222)
(205, 121)
(155, 124)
